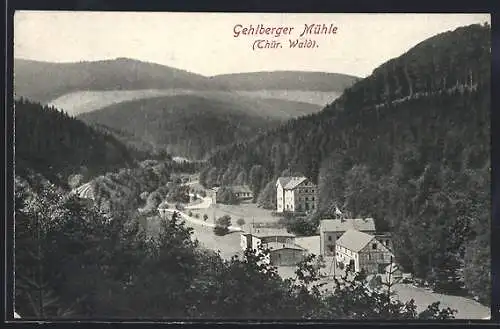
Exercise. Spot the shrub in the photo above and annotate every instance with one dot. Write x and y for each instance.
(240, 222)
(222, 225)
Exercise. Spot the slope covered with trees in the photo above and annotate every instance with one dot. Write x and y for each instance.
(50, 142)
(409, 145)
(286, 80)
(193, 125)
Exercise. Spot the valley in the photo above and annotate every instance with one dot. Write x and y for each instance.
(137, 184)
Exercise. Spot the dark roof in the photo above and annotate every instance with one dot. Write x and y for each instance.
(342, 225)
(354, 240)
(278, 246)
(240, 189)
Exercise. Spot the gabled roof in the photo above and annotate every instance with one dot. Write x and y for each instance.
(289, 183)
(354, 240)
(294, 182)
(342, 225)
(283, 180)
(278, 246)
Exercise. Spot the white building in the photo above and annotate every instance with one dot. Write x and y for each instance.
(296, 194)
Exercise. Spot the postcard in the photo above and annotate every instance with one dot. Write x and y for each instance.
(262, 166)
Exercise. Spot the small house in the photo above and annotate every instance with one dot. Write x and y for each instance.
(362, 251)
(285, 254)
(330, 230)
(282, 247)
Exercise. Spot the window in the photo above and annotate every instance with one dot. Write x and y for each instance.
(381, 256)
(312, 198)
(374, 246)
(307, 199)
(369, 257)
(329, 238)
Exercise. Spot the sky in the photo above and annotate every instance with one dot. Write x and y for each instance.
(205, 43)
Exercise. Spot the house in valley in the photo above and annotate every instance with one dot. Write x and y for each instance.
(362, 251)
(296, 194)
(242, 192)
(283, 251)
(330, 230)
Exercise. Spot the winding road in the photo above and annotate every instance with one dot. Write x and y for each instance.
(204, 204)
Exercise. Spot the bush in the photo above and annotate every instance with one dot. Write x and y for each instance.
(196, 215)
(341, 265)
(190, 213)
(222, 225)
(240, 222)
(205, 217)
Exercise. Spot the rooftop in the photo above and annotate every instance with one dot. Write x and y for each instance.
(289, 183)
(266, 232)
(354, 240)
(278, 246)
(240, 189)
(342, 225)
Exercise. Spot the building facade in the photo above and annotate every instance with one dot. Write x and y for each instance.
(363, 251)
(296, 194)
(283, 251)
(330, 230)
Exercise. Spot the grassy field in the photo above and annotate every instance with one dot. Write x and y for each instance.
(248, 211)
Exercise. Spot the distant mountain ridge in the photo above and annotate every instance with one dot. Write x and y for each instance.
(291, 80)
(45, 81)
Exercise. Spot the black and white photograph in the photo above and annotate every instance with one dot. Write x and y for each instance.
(251, 166)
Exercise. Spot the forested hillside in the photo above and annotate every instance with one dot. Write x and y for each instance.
(74, 263)
(409, 146)
(50, 142)
(191, 125)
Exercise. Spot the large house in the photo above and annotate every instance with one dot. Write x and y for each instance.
(296, 194)
(283, 251)
(363, 251)
(330, 230)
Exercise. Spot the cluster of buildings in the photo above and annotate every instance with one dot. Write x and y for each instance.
(351, 242)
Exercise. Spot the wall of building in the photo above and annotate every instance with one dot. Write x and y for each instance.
(289, 200)
(286, 257)
(328, 240)
(375, 260)
(279, 198)
(306, 197)
(345, 256)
